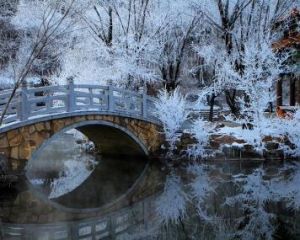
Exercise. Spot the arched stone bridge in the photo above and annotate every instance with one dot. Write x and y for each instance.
(117, 121)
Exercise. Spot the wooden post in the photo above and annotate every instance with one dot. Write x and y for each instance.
(71, 105)
(298, 90)
(279, 92)
(292, 91)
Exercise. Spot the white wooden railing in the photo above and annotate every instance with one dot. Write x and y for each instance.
(34, 102)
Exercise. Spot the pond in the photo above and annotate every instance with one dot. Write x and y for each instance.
(71, 192)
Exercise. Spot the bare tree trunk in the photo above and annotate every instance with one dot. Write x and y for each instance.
(298, 90)
(279, 92)
(211, 101)
(110, 28)
(231, 101)
(171, 73)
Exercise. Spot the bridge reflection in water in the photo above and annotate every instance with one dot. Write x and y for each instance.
(109, 201)
(106, 227)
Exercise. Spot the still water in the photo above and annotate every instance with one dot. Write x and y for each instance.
(71, 193)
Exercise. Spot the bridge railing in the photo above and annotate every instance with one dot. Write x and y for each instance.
(114, 225)
(33, 102)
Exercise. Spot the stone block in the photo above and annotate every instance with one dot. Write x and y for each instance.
(272, 146)
(32, 129)
(45, 135)
(110, 118)
(117, 120)
(3, 141)
(32, 143)
(26, 136)
(48, 126)
(98, 117)
(11, 134)
(130, 128)
(153, 128)
(36, 139)
(79, 119)
(17, 140)
(90, 117)
(68, 121)
(5, 152)
(14, 153)
(40, 126)
(25, 133)
(25, 151)
(58, 125)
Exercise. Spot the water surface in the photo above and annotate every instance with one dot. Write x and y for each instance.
(71, 193)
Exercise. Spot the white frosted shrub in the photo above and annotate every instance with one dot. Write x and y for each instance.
(170, 109)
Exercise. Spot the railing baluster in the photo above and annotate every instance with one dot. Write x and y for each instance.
(47, 101)
(24, 108)
(91, 97)
(143, 92)
(71, 104)
(144, 106)
(110, 99)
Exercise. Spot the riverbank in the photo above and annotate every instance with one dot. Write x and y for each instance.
(229, 141)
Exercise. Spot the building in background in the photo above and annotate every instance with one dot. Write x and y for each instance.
(288, 86)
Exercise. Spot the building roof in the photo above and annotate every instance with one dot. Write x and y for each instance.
(292, 37)
(292, 41)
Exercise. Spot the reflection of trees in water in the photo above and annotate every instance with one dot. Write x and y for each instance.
(62, 165)
(111, 179)
(254, 203)
(213, 202)
(66, 172)
(72, 175)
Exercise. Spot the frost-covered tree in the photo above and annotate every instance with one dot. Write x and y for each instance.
(201, 131)
(262, 67)
(43, 24)
(122, 42)
(170, 109)
(239, 60)
(134, 42)
(8, 8)
(229, 25)
(9, 39)
(174, 43)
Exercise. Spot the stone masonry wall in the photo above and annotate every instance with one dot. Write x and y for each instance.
(19, 144)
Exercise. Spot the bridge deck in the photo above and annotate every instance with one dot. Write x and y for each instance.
(31, 105)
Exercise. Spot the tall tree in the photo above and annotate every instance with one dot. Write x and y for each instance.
(230, 25)
(49, 18)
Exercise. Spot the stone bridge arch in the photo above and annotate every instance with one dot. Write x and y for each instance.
(112, 133)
